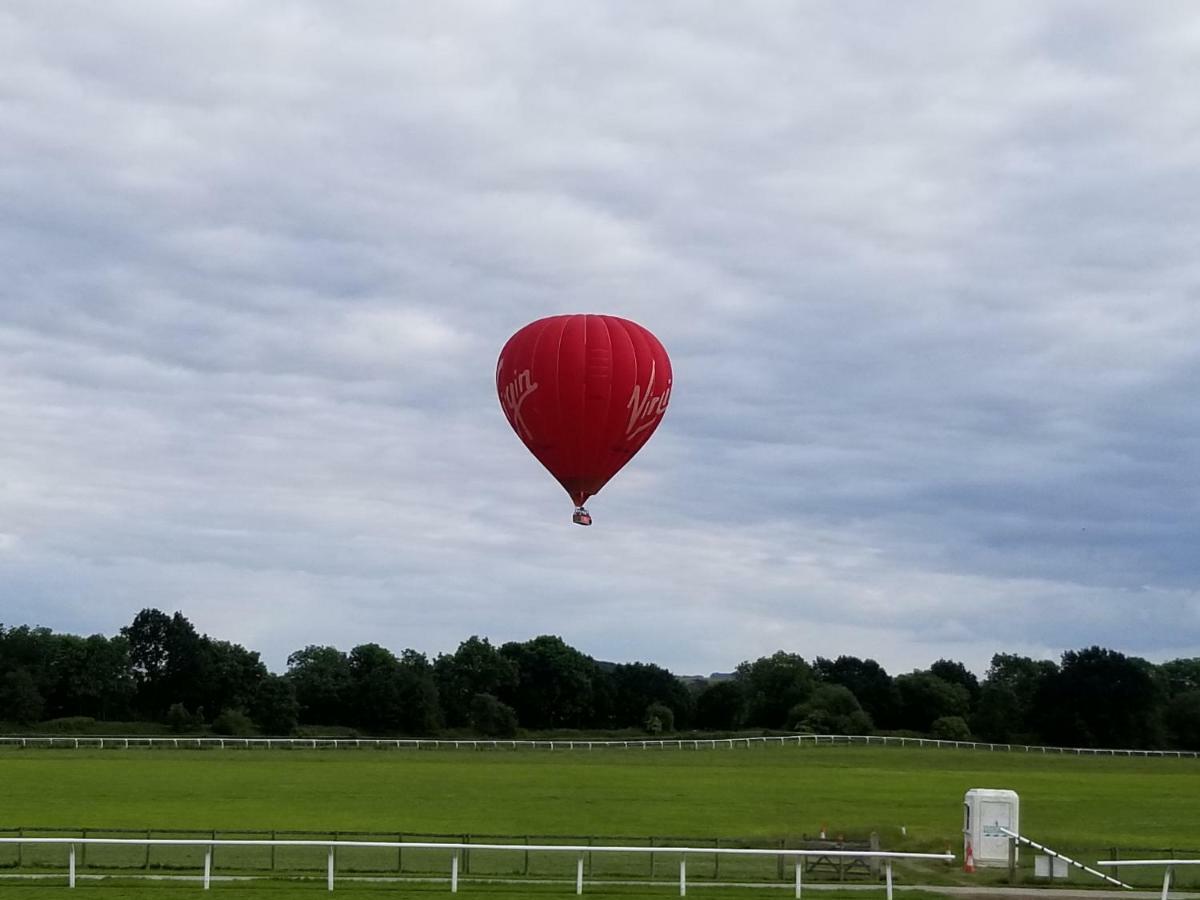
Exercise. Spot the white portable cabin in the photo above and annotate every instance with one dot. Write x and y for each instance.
(985, 811)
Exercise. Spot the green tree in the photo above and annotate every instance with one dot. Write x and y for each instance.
(274, 707)
(165, 653)
(555, 683)
(228, 676)
(1179, 676)
(1183, 719)
(957, 673)
(658, 718)
(20, 699)
(391, 694)
(638, 685)
(475, 668)
(924, 697)
(831, 709)
(1007, 707)
(491, 718)
(1102, 698)
(233, 723)
(773, 685)
(721, 706)
(324, 685)
(870, 683)
(951, 728)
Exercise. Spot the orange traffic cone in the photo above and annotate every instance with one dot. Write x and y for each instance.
(969, 860)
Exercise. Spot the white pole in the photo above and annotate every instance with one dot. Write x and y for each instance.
(207, 867)
(454, 873)
(579, 875)
(889, 879)
(1166, 882)
(799, 869)
(683, 876)
(71, 868)
(329, 868)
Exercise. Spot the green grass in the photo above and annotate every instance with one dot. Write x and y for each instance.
(1081, 805)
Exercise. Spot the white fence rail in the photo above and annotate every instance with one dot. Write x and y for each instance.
(1169, 863)
(117, 742)
(579, 850)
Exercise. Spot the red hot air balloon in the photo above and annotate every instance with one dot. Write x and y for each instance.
(583, 393)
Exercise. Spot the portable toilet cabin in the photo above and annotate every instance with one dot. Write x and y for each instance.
(985, 812)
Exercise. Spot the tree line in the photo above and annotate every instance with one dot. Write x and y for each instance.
(159, 669)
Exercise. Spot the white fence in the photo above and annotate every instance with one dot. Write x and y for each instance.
(281, 743)
(579, 850)
(1169, 863)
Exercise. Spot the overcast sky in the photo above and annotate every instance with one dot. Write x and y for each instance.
(927, 273)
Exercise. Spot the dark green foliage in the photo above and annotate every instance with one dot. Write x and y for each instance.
(20, 700)
(163, 674)
(658, 719)
(832, 709)
(951, 728)
(639, 685)
(925, 697)
(773, 685)
(392, 695)
(870, 683)
(721, 706)
(475, 668)
(274, 707)
(554, 687)
(491, 718)
(1101, 698)
(1006, 709)
(180, 721)
(957, 673)
(233, 723)
(1183, 719)
(323, 683)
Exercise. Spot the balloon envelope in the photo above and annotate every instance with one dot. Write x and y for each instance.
(583, 393)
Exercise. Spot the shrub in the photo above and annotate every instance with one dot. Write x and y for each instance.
(659, 718)
(233, 723)
(951, 728)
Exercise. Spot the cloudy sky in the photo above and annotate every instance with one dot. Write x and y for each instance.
(928, 276)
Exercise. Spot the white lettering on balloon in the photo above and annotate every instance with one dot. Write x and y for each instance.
(645, 409)
(515, 393)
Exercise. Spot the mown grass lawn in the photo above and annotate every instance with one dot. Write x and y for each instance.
(1081, 805)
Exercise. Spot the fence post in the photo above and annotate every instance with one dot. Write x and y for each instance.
(273, 850)
(146, 865)
(579, 875)
(208, 867)
(329, 869)
(20, 847)
(83, 850)
(399, 855)
(799, 869)
(454, 873)
(526, 872)
(652, 860)
(717, 863)
(779, 862)
(1012, 860)
(683, 876)
(71, 871)
(888, 868)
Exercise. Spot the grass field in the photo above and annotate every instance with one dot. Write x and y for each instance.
(1081, 805)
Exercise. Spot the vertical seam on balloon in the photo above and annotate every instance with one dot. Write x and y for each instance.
(600, 448)
(565, 320)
